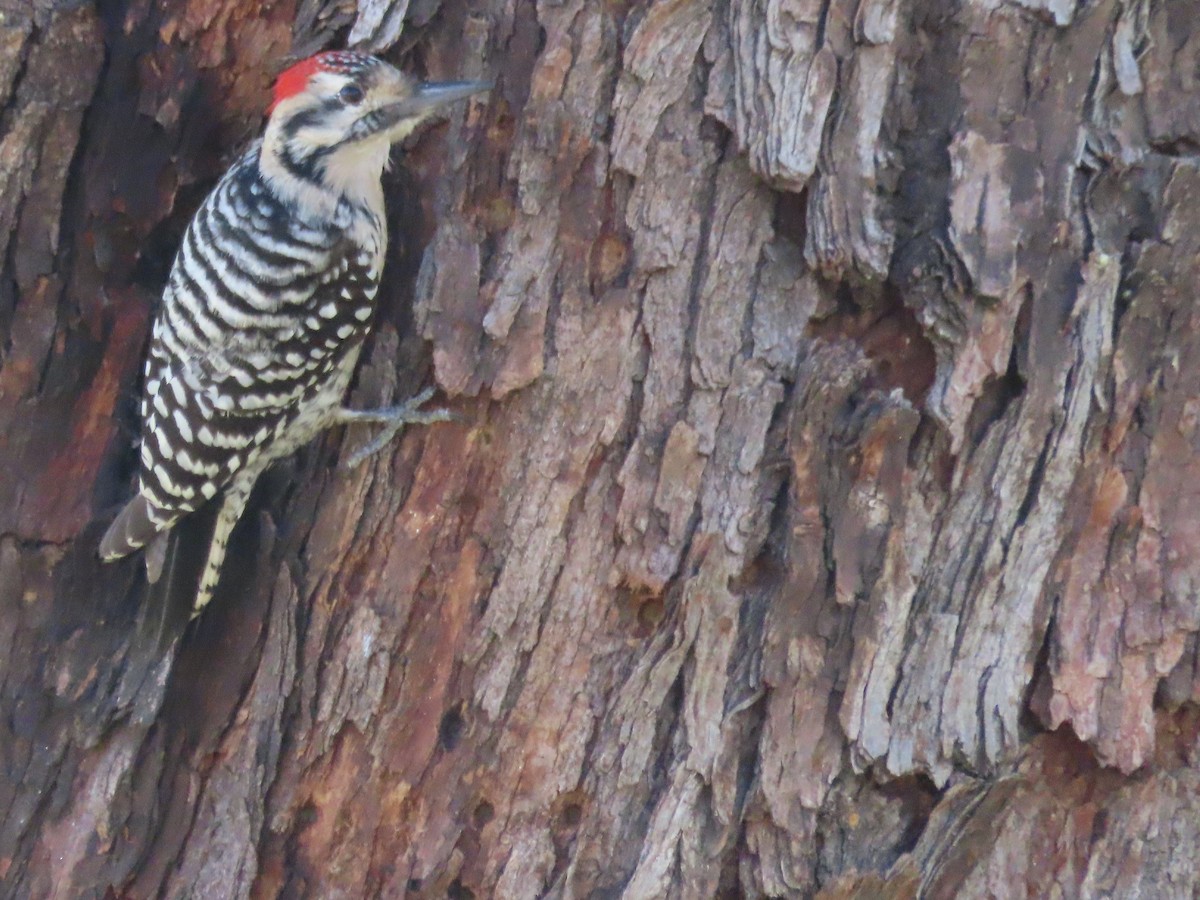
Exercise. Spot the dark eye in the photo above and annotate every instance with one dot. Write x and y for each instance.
(351, 95)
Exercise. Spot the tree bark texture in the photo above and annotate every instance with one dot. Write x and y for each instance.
(822, 518)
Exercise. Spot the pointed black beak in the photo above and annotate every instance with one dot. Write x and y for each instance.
(436, 94)
(426, 100)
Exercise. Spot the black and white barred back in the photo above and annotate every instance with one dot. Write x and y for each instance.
(265, 311)
(261, 312)
(262, 322)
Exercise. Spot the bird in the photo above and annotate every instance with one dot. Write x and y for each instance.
(264, 313)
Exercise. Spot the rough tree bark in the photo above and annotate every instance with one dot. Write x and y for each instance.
(822, 517)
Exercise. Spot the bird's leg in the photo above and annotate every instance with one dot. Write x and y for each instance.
(393, 418)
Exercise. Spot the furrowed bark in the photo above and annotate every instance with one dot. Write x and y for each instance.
(819, 520)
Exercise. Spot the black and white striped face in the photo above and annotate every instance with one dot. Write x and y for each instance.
(335, 115)
(324, 101)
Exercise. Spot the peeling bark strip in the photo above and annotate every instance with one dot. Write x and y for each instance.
(821, 519)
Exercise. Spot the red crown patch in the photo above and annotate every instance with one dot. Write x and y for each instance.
(293, 80)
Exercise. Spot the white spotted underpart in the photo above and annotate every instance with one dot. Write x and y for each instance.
(268, 302)
(262, 324)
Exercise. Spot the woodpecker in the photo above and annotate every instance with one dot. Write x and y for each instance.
(267, 305)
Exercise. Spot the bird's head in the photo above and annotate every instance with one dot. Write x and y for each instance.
(335, 115)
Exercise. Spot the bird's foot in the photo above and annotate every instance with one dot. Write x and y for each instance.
(393, 418)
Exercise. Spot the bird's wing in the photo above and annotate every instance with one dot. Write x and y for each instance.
(208, 416)
(201, 426)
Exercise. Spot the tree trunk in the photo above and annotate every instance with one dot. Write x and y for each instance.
(818, 517)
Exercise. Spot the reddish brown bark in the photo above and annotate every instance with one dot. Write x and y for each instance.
(820, 519)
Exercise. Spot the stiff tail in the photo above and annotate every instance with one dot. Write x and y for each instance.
(132, 528)
(175, 563)
(183, 566)
(232, 506)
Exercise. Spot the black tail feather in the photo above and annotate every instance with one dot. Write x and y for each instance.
(170, 596)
